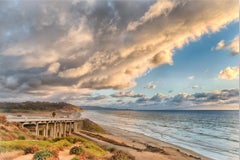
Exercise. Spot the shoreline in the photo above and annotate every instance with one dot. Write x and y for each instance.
(126, 135)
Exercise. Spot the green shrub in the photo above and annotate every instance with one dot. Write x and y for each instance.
(59, 145)
(21, 138)
(72, 139)
(75, 158)
(42, 155)
(76, 150)
(120, 155)
(31, 149)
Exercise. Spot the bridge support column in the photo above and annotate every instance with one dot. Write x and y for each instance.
(70, 128)
(46, 134)
(65, 129)
(61, 129)
(54, 130)
(57, 129)
(37, 129)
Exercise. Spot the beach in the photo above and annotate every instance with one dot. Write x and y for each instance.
(145, 148)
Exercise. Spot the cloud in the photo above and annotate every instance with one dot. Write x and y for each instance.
(150, 85)
(233, 46)
(191, 77)
(229, 73)
(184, 100)
(159, 8)
(100, 97)
(127, 94)
(53, 68)
(195, 87)
(88, 45)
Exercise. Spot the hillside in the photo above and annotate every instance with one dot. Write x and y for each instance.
(12, 131)
(33, 107)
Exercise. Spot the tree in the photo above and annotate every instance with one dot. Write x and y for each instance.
(53, 114)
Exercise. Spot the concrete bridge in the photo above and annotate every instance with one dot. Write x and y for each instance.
(49, 127)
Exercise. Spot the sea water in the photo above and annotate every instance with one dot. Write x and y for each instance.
(214, 134)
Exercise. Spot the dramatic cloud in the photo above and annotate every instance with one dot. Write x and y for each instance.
(156, 10)
(88, 45)
(127, 94)
(233, 45)
(229, 73)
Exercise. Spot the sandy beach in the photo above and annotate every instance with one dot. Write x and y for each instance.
(140, 146)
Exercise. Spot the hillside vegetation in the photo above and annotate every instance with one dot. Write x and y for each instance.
(31, 107)
(12, 131)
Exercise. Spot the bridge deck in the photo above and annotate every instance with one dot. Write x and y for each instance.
(25, 119)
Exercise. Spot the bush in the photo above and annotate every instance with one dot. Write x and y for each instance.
(76, 150)
(75, 158)
(21, 138)
(72, 139)
(3, 119)
(120, 155)
(31, 149)
(43, 155)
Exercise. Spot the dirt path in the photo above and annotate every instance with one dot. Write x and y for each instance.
(63, 155)
(10, 155)
(25, 157)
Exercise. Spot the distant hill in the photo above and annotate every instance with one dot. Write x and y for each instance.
(100, 108)
(32, 107)
(96, 108)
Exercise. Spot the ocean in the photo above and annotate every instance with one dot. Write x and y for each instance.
(214, 134)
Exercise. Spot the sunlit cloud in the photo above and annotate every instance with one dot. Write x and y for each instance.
(229, 73)
(72, 48)
(232, 46)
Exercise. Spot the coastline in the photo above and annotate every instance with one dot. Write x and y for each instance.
(125, 136)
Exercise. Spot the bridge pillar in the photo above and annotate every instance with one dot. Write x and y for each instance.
(37, 129)
(61, 129)
(65, 129)
(54, 130)
(57, 127)
(46, 134)
(69, 127)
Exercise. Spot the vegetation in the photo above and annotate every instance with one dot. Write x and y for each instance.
(31, 149)
(120, 155)
(6, 146)
(76, 150)
(12, 131)
(53, 114)
(89, 125)
(43, 155)
(29, 107)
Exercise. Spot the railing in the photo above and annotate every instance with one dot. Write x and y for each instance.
(40, 119)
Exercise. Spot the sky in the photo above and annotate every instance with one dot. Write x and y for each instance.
(154, 54)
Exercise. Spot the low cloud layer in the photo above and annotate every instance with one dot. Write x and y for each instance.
(184, 100)
(127, 94)
(50, 48)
